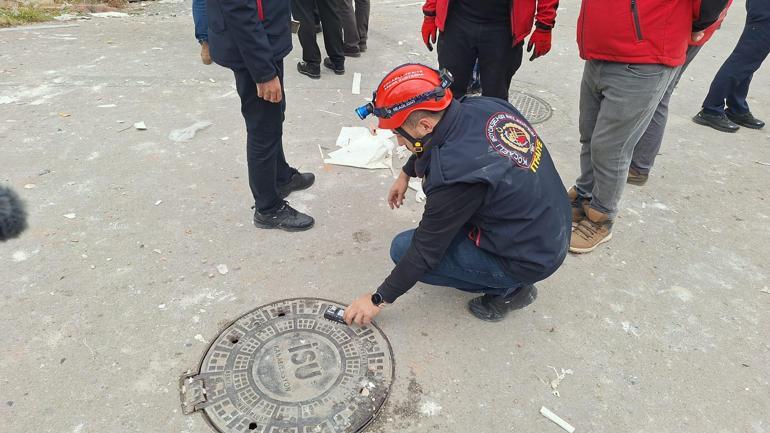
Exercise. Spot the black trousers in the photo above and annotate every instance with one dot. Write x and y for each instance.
(264, 142)
(331, 21)
(355, 22)
(463, 41)
(731, 84)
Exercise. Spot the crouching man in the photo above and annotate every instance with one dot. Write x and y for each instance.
(496, 217)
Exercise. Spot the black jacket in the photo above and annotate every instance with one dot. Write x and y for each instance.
(487, 173)
(251, 34)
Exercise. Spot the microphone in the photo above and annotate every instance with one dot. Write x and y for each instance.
(13, 217)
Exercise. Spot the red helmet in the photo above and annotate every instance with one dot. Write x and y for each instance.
(408, 88)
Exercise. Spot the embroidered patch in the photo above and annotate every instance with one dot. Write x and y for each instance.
(514, 139)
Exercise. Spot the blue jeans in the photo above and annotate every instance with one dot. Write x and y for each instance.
(464, 266)
(201, 20)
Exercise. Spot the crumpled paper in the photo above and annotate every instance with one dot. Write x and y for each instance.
(416, 184)
(359, 148)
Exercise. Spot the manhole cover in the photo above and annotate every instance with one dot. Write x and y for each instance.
(535, 109)
(283, 368)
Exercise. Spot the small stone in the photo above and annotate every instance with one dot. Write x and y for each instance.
(29, 186)
(162, 306)
(93, 267)
(140, 126)
(157, 251)
(222, 269)
(212, 80)
(69, 215)
(158, 202)
(211, 275)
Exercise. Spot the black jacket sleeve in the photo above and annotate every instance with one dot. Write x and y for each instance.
(408, 167)
(709, 13)
(447, 209)
(250, 36)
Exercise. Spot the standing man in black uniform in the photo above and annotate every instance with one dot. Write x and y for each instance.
(496, 218)
(492, 31)
(252, 38)
(331, 26)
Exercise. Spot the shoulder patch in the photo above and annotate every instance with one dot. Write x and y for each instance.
(513, 139)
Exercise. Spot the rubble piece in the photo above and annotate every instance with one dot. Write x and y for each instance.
(222, 269)
(765, 290)
(556, 419)
(157, 203)
(140, 126)
(199, 337)
(186, 134)
(356, 89)
(69, 216)
(430, 408)
(107, 106)
(559, 377)
(109, 14)
(762, 163)
(29, 186)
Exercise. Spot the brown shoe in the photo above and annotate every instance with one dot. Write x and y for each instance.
(593, 230)
(205, 55)
(636, 178)
(577, 206)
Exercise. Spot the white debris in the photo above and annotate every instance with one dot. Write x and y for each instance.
(630, 329)
(157, 203)
(222, 269)
(157, 251)
(66, 17)
(765, 290)
(107, 106)
(162, 306)
(69, 216)
(109, 14)
(20, 256)
(199, 337)
(416, 184)
(140, 126)
(356, 88)
(555, 418)
(559, 377)
(430, 408)
(186, 134)
(359, 148)
(29, 186)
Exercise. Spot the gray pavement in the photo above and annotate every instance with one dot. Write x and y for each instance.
(114, 292)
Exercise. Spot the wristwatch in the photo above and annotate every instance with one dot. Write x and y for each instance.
(377, 300)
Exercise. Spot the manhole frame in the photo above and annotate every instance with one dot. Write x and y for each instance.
(189, 376)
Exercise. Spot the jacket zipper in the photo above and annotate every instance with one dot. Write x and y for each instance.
(260, 11)
(637, 27)
(583, 24)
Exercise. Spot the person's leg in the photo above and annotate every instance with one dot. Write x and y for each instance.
(649, 145)
(303, 11)
(264, 127)
(464, 267)
(349, 27)
(589, 105)
(457, 53)
(332, 30)
(283, 171)
(498, 61)
(362, 22)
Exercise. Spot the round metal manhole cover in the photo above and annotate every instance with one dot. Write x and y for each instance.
(535, 109)
(284, 368)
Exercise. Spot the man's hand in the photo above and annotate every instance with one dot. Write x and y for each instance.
(697, 36)
(541, 41)
(361, 311)
(398, 190)
(429, 31)
(270, 91)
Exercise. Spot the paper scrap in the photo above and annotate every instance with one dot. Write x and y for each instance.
(140, 126)
(416, 184)
(555, 418)
(356, 90)
(186, 134)
(359, 148)
(69, 216)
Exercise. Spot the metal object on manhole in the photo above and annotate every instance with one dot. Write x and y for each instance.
(284, 368)
(535, 109)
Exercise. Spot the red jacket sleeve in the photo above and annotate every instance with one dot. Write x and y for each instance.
(430, 7)
(546, 12)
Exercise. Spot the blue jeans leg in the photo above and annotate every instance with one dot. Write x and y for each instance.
(201, 20)
(464, 266)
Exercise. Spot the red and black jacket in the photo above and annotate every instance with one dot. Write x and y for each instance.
(642, 31)
(524, 13)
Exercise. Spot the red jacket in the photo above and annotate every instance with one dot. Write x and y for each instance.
(523, 15)
(641, 31)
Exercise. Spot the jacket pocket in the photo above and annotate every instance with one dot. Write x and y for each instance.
(216, 20)
(635, 16)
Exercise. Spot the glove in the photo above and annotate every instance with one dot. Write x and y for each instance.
(541, 40)
(429, 31)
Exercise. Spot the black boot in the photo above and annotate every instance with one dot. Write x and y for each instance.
(338, 69)
(718, 122)
(297, 182)
(746, 119)
(494, 308)
(285, 218)
(309, 69)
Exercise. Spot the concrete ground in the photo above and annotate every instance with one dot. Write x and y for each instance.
(113, 292)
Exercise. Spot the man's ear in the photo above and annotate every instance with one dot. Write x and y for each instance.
(427, 123)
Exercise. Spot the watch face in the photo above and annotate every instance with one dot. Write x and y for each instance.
(376, 299)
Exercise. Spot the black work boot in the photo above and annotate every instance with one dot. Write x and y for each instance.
(746, 119)
(309, 69)
(285, 218)
(297, 182)
(720, 122)
(494, 308)
(353, 51)
(338, 69)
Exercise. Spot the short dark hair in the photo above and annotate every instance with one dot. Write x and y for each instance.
(417, 115)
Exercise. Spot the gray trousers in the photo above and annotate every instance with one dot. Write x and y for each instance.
(649, 145)
(355, 22)
(617, 101)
